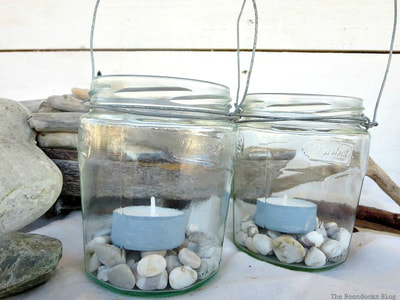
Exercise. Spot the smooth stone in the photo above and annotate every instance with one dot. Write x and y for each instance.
(30, 181)
(315, 258)
(263, 244)
(172, 262)
(343, 236)
(312, 239)
(158, 282)
(146, 253)
(203, 245)
(333, 250)
(273, 234)
(182, 277)
(109, 255)
(94, 263)
(151, 265)
(121, 276)
(208, 266)
(246, 225)
(26, 260)
(288, 250)
(241, 237)
(189, 258)
(250, 245)
(252, 230)
(102, 273)
(97, 240)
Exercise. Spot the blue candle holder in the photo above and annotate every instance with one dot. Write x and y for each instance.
(286, 215)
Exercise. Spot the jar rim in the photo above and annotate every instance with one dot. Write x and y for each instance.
(99, 79)
(154, 95)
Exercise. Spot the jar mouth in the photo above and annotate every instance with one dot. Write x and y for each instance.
(294, 108)
(301, 103)
(159, 92)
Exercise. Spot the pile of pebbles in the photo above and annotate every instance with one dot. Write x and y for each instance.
(328, 243)
(179, 268)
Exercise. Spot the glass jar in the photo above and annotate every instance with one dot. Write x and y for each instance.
(156, 164)
(298, 177)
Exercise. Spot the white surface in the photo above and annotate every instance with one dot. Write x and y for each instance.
(207, 24)
(371, 269)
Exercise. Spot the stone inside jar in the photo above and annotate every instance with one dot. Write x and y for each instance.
(196, 259)
(328, 243)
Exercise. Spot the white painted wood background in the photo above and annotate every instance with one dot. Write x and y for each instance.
(310, 46)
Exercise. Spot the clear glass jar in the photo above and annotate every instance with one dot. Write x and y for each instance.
(156, 164)
(298, 178)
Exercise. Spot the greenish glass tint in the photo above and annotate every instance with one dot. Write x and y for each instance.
(298, 177)
(151, 146)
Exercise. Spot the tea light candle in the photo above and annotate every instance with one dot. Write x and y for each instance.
(148, 228)
(288, 215)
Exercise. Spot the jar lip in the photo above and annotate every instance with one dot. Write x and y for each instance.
(312, 103)
(151, 78)
(299, 96)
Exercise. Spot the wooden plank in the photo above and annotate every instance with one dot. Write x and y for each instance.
(338, 25)
(38, 75)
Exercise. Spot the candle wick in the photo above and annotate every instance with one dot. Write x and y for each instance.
(153, 206)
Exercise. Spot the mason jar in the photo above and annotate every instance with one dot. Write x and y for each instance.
(299, 172)
(156, 166)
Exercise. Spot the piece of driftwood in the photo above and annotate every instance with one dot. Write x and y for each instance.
(82, 94)
(379, 216)
(383, 180)
(63, 140)
(68, 103)
(55, 121)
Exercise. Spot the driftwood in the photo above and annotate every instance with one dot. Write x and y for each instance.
(383, 181)
(63, 140)
(68, 103)
(55, 121)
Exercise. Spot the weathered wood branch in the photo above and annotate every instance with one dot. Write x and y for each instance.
(383, 181)
(55, 121)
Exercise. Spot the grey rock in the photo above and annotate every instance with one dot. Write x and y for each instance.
(30, 182)
(26, 260)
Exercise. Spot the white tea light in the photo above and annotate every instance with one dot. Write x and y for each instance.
(288, 215)
(148, 228)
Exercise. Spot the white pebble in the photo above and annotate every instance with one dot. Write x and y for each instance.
(315, 258)
(330, 225)
(146, 253)
(312, 239)
(252, 230)
(151, 265)
(343, 236)
(246, 224)
(172, 262)
(241, 237)
(332, 249)
(189, 258)
(97, 240)
(158, 282)
(288, 250)
(263, 244)
(109, 255)
(94, 263)
(250, 245)
(102, 273)
(208, 266)
(273, 234)
(121, 276)
(192, 228)
(182, 277)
